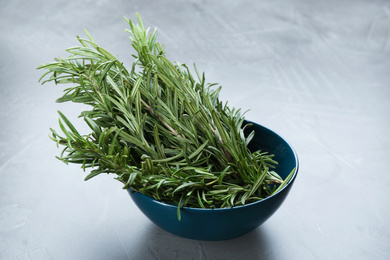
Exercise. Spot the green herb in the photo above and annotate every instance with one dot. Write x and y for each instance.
(162, 131)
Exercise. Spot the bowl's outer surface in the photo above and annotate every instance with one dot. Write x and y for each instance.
(227, 223)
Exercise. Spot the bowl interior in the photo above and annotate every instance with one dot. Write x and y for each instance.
(268, 141)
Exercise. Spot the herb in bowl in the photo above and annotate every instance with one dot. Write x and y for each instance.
(161, 130)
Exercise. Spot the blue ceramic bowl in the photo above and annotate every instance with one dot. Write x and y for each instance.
(226, 223)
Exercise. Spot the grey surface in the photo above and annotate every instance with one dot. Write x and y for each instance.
(318, 74)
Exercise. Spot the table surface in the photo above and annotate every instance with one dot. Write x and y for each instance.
(317, 74)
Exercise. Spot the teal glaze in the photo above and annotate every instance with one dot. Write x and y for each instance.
(226, 223)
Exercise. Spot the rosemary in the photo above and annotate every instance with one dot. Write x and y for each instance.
(159, 129)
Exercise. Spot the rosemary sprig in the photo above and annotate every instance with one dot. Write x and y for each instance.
(162, 131)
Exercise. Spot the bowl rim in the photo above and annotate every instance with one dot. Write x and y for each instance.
(131, 191)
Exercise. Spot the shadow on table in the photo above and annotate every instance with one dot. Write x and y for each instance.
(159, 244)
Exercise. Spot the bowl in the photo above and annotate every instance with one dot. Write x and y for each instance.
(226, 223)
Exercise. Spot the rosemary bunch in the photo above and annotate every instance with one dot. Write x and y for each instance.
(162, 131)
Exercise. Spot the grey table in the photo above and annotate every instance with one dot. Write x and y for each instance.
(316, 72)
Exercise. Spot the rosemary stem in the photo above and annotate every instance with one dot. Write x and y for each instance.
(151, 110)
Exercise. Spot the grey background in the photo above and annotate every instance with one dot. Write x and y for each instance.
(316, 72)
